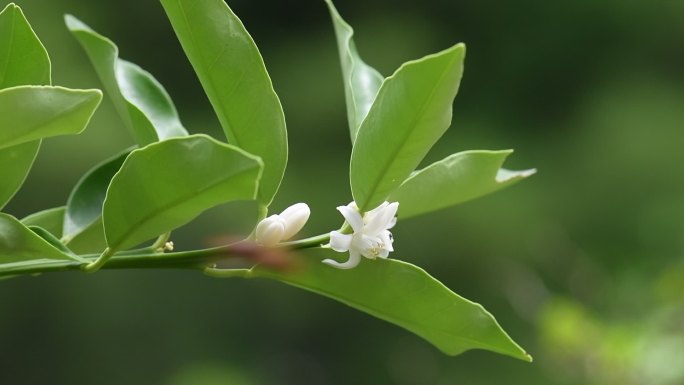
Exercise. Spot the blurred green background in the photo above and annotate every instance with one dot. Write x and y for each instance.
(583, 264)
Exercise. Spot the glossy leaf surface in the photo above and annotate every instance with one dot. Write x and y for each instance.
(139, 98)
(15, 163)
(233, 74)
(403, 294)
(28, 113)
(410, 113)
(455, 179)
(84, 206)
(18, 243)
(23, 61)
(361, 81)
(175, 180)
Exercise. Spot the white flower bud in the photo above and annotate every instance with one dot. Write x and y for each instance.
(270, 230)
(295, 218)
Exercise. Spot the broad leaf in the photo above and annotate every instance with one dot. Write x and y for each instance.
(455, 179)
(411, 112)
(18, 243)
(28, 113)
(50, 219)
(23, 61)
(15, 163)
(84, 206)
(405, 295)
(233, 75)
(361, 81)
(167, 184)
(140, 99)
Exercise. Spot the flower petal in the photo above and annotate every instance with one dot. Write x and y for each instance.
(295, 218)
(353, 261)
(382, 219)
(352, 216)
(270, 230)
(340, 242)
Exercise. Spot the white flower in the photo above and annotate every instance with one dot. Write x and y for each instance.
(283, 226)
(371, 237)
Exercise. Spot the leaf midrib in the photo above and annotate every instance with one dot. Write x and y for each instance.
(404, 139)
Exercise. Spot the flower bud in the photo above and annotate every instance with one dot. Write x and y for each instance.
(295, 218)
(270, 230)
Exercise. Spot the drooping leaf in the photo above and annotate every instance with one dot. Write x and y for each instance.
(28, 113)
(175, 180)
(232, 72)
(84, 206)
(455, 179)
(50, 219)
(18, 243)
(23, 61)
(361, 81)
(139, 98)
(410, 113)
(403, 294)
(15, 163)
(54, 242)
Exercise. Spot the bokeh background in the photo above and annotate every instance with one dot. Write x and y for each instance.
(583, 264)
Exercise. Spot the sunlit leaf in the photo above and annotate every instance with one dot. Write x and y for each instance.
(139, 98)
(84, 206)
(28, 113)
(233, 75)
(23, 61)
(361, 81)
(402, 294)
(455, 179)
(18, 243)
(174, 181)
(410, 113)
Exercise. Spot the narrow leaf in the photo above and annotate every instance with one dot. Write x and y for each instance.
(174, 181)
(404, 295)
(233, 75)
(84, 206)
(411, 112)
(28, 113)
(55, 242)
(18, 243)
(455, 179)
(15, 163)
(361, 81)
(139, 98)
(50, 219)
(23, 59)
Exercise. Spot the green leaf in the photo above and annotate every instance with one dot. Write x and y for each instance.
(50, 219)
(233, 75)
(139, 98)
(18, 243)
(23, 59)
(84, 206)
(28, 113)
(361, 81)
(404, 295)
(455, 179)
(56, 243)
(411, 112)
(167, 184)
(15, 163)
